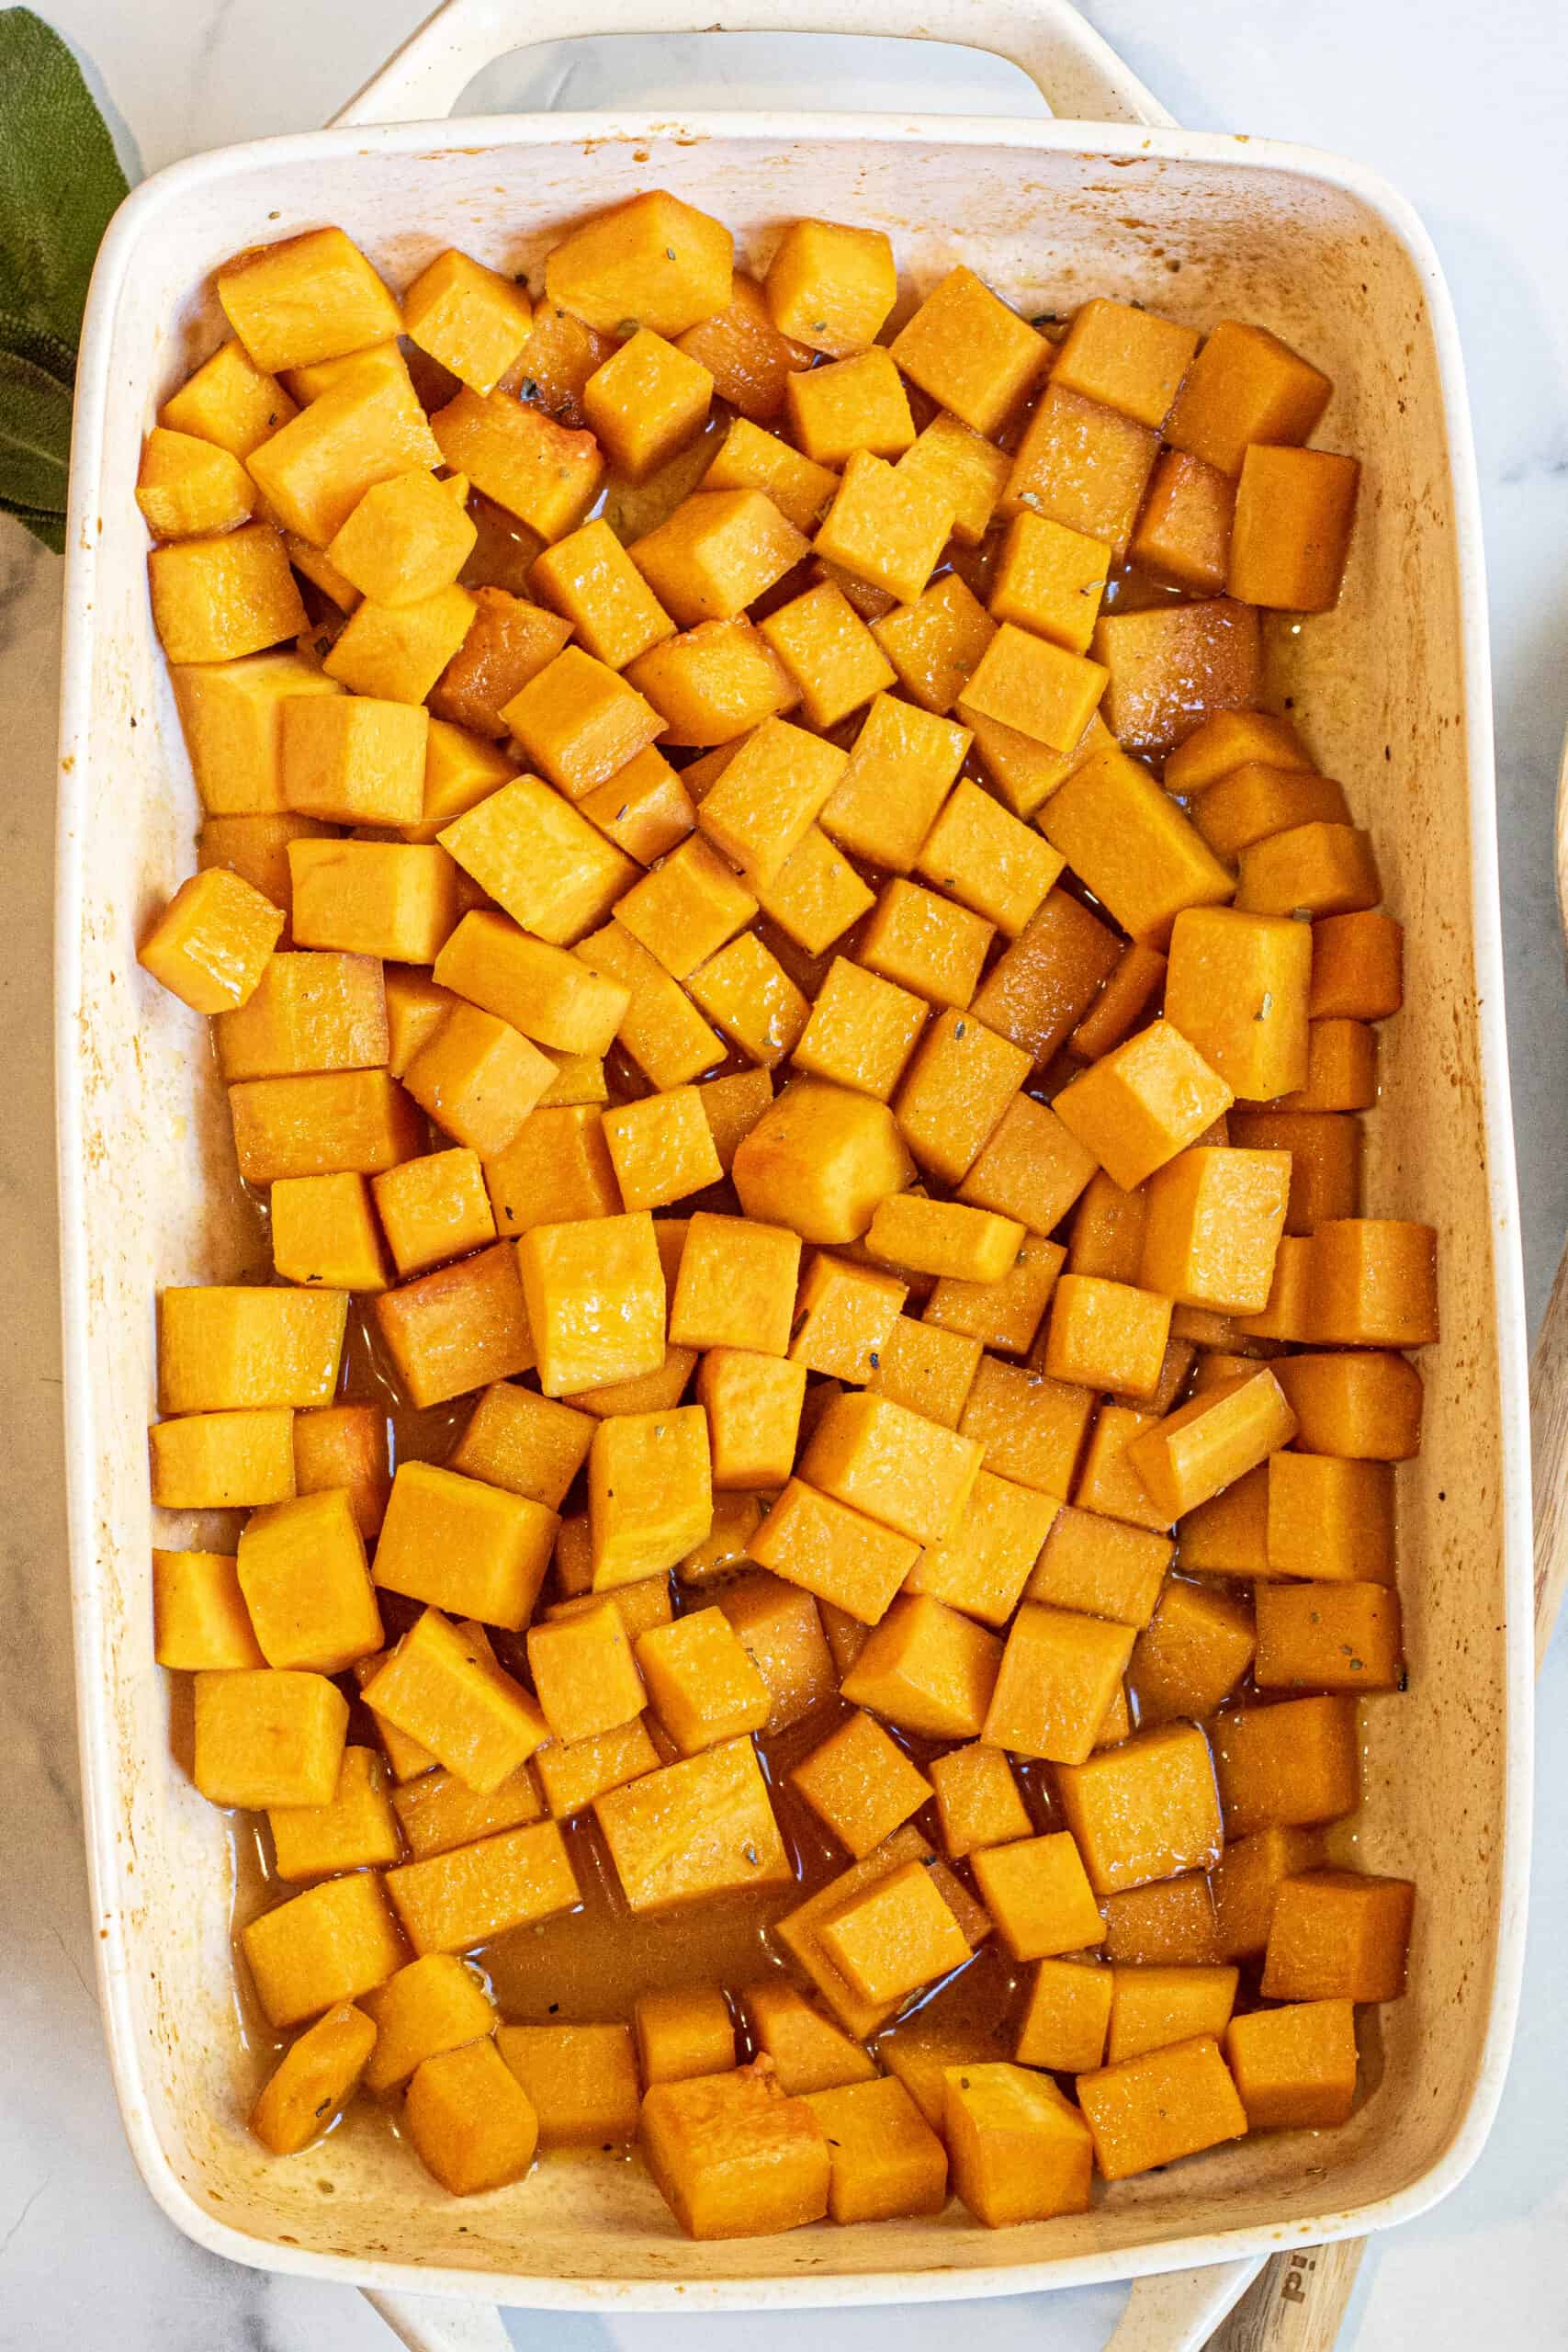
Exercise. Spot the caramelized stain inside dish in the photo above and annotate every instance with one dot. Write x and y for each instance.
(813, 1499)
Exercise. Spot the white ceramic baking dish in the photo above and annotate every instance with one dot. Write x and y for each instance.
(1393, 690)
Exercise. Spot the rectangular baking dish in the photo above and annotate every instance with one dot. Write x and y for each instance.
(1393, 690)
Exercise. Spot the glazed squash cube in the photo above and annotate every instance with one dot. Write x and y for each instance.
(557, 360)
(843, 1313)
(464, 1546)
(222, 1461)
(471, 319)
(451, 1901)
(750, 458)
(1287, 1766)
(799, 1935)
(644, 808)
(1101, 1567)
(538, 470)
(681, 2035)
(880, 1458)
(1211, 1442)
(432, 1209)
(433, 2004)
(216, 599)
(308, 1012)
(1229, 1535)
(833, 1550)
(508, 642)
(400, 651)
(1344, 1637)
(458, 1328)
(332, 1943)
(861, 1030)
(1331, 1520)
(1325, 1171)
(572, 1778)
(818, 1161)
(733, 2157)
(717, 553)
(901, 771)
(1030, 1427)
(1019, 2148)
(1190, 1657)
(354, 760)
(1143, 1103)
(584, 1674)
(752, 1402)
(313, 2081)
(977, 1799)
(589, 578)
(1297, 2065)
(1171, 2102)
(925, 945)
(745, 353)
(211, 944)
(1108, 1483)
(357, 1828)
(661, 1028)
(1107, 1334)
(881, 528)
(1365, 1404)
(746, 991)
(1247, 1877)
(580, 2081)
(578, 722)
(688, 906)
(886, 2160)
(302, 1570)
(830, 287)
(472, 2125)
(1317, 868)
(809, 2051)
(367, 429)
(1058, 1676)
(816, 895)
(443, 1687)
(1050, 580)
(1231, 740)
(1108, 1230)
(198, 1613)
(1254, 802)
(1144, 1810)
(394, 899)
(928, 1669)
(187, 488)
(1338, 1936)
(780, 1631)
(892, 1935)
(1041, 984)
(652, 259)
(231, 716)
(935, 644)
(646, 403)
(1183, 535)
(1124, 355)
(406, 539)
(1083, 465)
(853, 408)
(1035, 688)
(265, 1737)
(769, 796)
(225, 1346)
(437, 1811)
(1356, 967)
(711, 684)
(229, 400)
(702, 1683)
(969, 352)
(1037, 1892)
(1342, 1069)
(956, 469)
(955, 1091)
(943, 1238)
(736, 1284)
(1244, 386)
(987, 859)
(1167, 1926)
(1237, 989)
(1131, 846)
(1212, 1224)
(661, 1148)
(594, 1295)
(1375, 1283)
(861, 1783)
(984, 1564)
(305, 298)
(828, 652)
(1067, 2018)
(1174, 665)
(649, 1493)
(702, 1826)
(479, 1079)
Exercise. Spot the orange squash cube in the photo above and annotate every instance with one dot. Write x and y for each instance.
(702, 1826)
(971, 354)
(198, 1612)
(1293, 513)
(681, 2035)
(1212, 1224)
(1067, 2016)
(880, 1458)
(230, 402)
(701, 1681)
(1131, 846)
(1183, 535)
(1058, 1676)
(479, 1079)
(1143, 1103)
(935, 642)
(861, 1030)
(1287, 1766)
(958, 1085)
(1244, 386)
(809, 2051)
(752, 1402)
(1167, 1926)
(216, 599)
(1038, 688)
(222, 1461)
(816, 895)
(324, 1231)
(578, 721)
(1375, 1283)
(929, 1369)
(886, 2160)
(652, 259)
(1108, 1483)
(746, 993)
(1030, 1427)
(834, 1552)
(467, 1895)
(571, 1777)
(769, 796)
(861, 1783)
(1192, 1653)
(956, 467)
(580, 2081)
(717, 553)
(1173, 665)
(1210, 1444)
(781, 1631)
(1039, 1897)
(1356, 967)
(1294, 2066)
(733, 2157)
(819, 1162)
(661, 1028)
(925, 945)
(828, 652)
(711, 684)
(649, 1493)
(750, 458)
(736, 1284)
(842, 1315)
(1229, 1535)
(928, 1669)
(1153, 2006)
(307, 1589)
(557, 1172)
(1171, 2102)
(213, 941)
(1050, 580)
(1325, 1166)
(265, 1737)
(1338, 1936)
(1107, 1335)
(1019, 2149)
(661, 1148)
(1101, 1567)
(830, 287)
(648, 401)
(437, 1811)
(1365, 1404)
(332, 1943)
(313, 2080)
(571, 1272)
(472, 2124)
(1319, 869)
(1238, 989)
(853, 408)
(1247, 1877)
(584, 1674)
(988, 860)
(1144, 1810)
(1083, 465)
(390, 899)
(978, 1802)
(900, 772)
(1031, 1168)
(892, 1935)
(1342, 1069)
(1119, 353)
(1254, 802)
(1331, 1520)
(1346, 1637)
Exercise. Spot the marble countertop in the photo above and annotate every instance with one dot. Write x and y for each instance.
(1462, 109)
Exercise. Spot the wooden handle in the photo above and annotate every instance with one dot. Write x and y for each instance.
(1298, 2301)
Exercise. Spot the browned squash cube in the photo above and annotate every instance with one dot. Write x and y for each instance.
(1149, 2110)
(1295, 2065)
(733, 2157)
(886, 2160)
(1019, 2147)
(1338, 1936)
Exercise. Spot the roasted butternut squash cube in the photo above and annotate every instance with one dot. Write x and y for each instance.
(702, 1826)
(816, 895)
(987, 859)
(649, 1492)
(1067, 2016)
(211, 944)
(479, 1079)
(1125, 356)
(1375, 1283)
(1107, 1482)
(925, 945)
(1019, 2148)
(653, 259)
(432, 1209)
(1342, 1069)
(578, 721)
(644, 809)
(305, 298)
(222, 1346)
(817, 1162)
(969, 352)
(1338, 1936)
(1331, 1520)
(1245, 385)
(977, 1799)
(861, 1032)
(472, 2124)
(661, 1028)
(928, 1669)
(892, 1935)
(681, 2035)
(714, 683)
(302, 1571)
(752, 1402)
(464, 1545)
(352, 758)
(1317, 869)
(451, 1901)
(900, 770)
(1030, 1427)
(405, 539)
(1247, 1877)
(1190, 1657)
(1144, 1810)
(780, 1631)
(1175, 664)
(1287, 1766)
(828, 652)
(1236, 988)
(368, 428)
(1297, 2065)
(1037, 688)
(580, 2081)
(1344, 1637)
(223, 1461)
(1228, 1536)
(733, 2157)
(400, 651)
(1143, 1103)
(471, 319)
(433, 2004)
(459, 1328)
(1365, 1404)
(800, 1931)
(958, 1085)
(1356, 967)
(748, 994)
(830, 287)
(394, 899)
(843, 1313)
(686, 908)
(443, 1687)
(1203, 1446)
(1254, 802)
(809, 2051)
(437, 1811)
(1326, 1169)
(886, 2160)
(1101, 1567)
(509, 641)
(1133, 846)
(585, 1673)
(1107, 1334)
(745, 353)
(1171, 2102)
(717, 553)
(589, 578)
(1037, 1892)
(943, 1238)
(266, 1737)
(935, 644)
(768, 797)
(594, 1297)
(1058, 1676)
(833, 1550)
(750, 458)
(573, 1776)
(861, 1783)
(1231, 740)
(1212, 1224)
(1083, 465)
(851, 409)
(880, 1458)
(646, 403)
(701, 1682)
(315, 2078)
(229, 400)
(1041, 984)
(1167, 1926)
(1183, 535)
(232, 717)
(882, 528)
(661, 1148)
(956, 468)
(1050, 580)
(538, 470)
(308, 1012)
(735, 1286)
(984, 1564)
(357, 1828)
(198, 1613)
(216, 599)
(332, 1943)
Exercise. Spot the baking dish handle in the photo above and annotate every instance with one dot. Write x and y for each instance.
(1078, 75)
